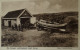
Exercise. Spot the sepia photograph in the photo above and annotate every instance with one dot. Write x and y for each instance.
(39, 23)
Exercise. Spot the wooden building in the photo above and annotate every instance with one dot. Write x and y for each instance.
(18, 17)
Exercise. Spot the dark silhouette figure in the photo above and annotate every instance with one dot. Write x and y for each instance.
(22, 27)
(16, 26)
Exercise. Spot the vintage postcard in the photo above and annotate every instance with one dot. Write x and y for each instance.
(39, 25)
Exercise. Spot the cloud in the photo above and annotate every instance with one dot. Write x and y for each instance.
(11, 6)
(41, 6)
(57, 6)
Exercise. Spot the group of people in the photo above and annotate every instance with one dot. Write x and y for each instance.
(21, 27)
(17, 27)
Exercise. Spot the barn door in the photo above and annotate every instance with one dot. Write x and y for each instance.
(25, 22)
(9, 22)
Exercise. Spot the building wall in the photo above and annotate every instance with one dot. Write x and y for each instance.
(7, 24)
(13, 22)
(18, 21)
(33, 20)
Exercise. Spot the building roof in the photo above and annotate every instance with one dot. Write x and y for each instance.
(15, 14)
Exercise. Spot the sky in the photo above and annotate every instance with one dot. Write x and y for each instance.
(40, 6)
